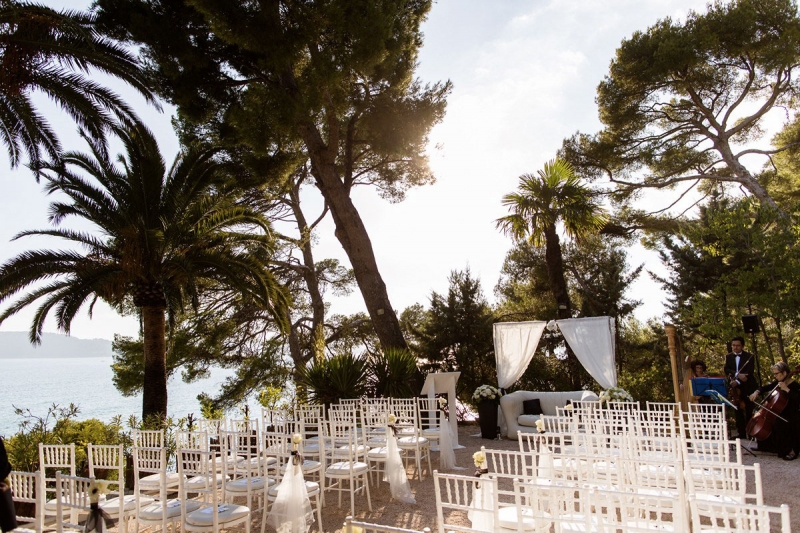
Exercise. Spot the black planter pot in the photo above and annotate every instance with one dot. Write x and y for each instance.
(487, 418)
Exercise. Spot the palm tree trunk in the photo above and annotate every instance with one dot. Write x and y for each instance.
(558, 287)
(154, 395)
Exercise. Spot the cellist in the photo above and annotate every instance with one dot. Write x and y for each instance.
(785, 434)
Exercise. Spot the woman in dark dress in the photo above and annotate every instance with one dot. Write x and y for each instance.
(785, 434)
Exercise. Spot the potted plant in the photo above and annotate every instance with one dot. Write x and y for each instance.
(487, 398)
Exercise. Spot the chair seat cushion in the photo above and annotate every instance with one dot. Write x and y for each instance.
(240, 485)
(111, 506)
(225, 513)
(378, 453)
(308, 466)
(152, 512)
(342, 451)
(431, 433)
(311, 487)
(343, 468)
(201, 482)
(411, 442)
(153, 481)
(508, 520)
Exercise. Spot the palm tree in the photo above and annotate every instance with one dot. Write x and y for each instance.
(163, 236)
(53, 52)
(555, 195)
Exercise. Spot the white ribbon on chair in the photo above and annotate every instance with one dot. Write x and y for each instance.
(291, 512)
(396, 472)
(447, 457)
(481, 512)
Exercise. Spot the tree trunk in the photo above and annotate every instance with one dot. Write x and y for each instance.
(352, 234)
(154, 395)
(317, 345)
(558, 287)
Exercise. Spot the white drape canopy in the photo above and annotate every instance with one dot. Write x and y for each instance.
(514, 346)
(591, 339)
(593, 342)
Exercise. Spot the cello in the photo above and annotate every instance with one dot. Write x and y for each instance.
(761, 424)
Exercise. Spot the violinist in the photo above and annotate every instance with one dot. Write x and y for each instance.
(740, 370)
(785, 434)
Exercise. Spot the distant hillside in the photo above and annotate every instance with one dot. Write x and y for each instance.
(15, 345)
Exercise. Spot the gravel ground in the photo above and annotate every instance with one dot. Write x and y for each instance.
(780, 480)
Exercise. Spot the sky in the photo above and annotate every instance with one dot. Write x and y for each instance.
(524, 77)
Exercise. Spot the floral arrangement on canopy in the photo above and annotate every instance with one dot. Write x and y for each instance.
(615, 394)
(486, 393)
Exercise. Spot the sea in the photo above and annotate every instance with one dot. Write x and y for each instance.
(36, 384)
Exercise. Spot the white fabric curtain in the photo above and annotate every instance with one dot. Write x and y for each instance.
(514, 346)
(593, 341)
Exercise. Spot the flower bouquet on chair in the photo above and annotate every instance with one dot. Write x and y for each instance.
(98, 520)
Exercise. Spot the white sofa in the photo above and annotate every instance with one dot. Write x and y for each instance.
(511, 405)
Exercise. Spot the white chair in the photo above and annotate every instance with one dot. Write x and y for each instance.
(375, 425)
(738, 518)
(111, 458)
(151, 477)
(709, 424)
(348, 470)
(214, 514)
(352, 526)
(566, 508)
(431, 419)
(148, 438)
(72, 501)
(725, 483)
(454, 498)
(24, 489)
(53, 457)
(248, 478)
(697, 452)
(313, 489)
(625, 512)
(506, 467)
(409, 438)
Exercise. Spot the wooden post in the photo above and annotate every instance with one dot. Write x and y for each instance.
(674, 356)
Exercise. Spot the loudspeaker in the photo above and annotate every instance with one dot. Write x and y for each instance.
(750, 323)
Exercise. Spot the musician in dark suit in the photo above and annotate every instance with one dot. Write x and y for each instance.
(786, 428)
(740, 370)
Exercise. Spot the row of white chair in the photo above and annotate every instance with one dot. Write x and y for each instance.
(538, 506)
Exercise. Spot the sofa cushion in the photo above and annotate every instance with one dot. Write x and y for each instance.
(528, 420)
(532, 407)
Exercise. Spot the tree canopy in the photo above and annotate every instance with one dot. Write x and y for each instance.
(54, 52)
(163, 236)
(334, 77)
(686, 103)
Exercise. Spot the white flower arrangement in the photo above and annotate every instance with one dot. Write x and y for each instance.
(569, 406)
(479, 458)
(392, 419)
(486, 393)
(96, 488)
(297, 438)
(442, 402)
(615, 394)
(540, 425)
